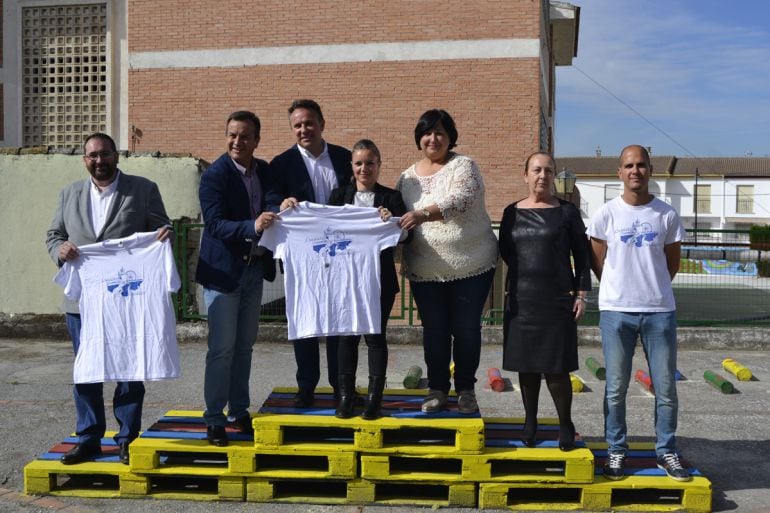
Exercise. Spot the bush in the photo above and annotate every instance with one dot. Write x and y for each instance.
(759, 236)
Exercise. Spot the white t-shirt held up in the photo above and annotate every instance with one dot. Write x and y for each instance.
(331, 258)
(128, 328)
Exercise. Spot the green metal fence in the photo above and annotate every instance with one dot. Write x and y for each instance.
(723, 280)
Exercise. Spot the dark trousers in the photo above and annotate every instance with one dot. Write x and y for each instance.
(89, 402)
(377, 346)
(307, 355)
(451, 327)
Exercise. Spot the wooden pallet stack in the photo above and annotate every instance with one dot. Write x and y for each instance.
(404, 458)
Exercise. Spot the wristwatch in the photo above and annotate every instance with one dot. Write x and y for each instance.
(426, 213)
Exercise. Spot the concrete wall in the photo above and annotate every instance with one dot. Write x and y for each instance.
(29, 188)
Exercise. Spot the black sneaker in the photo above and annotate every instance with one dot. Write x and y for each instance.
(673, 467)
(613, 467)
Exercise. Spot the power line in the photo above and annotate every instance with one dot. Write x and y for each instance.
(632, 109)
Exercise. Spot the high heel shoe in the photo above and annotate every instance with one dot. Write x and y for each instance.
(567, 437)
(529, 434)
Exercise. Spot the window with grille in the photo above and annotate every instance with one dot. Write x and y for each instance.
(64, 73)
(745, 199)
(703, 193)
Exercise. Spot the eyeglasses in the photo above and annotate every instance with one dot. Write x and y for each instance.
(104, 155)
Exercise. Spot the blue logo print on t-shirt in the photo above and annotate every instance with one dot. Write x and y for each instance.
(332, 242)
(125, 282)
(640, 234)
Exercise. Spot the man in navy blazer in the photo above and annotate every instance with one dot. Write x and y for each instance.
(231, 269)
(108, 205)
(309, 171)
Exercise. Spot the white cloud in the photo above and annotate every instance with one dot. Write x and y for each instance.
(696, 75)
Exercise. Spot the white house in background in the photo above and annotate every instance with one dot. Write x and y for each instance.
(732, 193)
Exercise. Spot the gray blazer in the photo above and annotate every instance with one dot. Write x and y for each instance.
(136, 207)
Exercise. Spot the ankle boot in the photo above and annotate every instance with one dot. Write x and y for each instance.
(347, 387)
(567, 436)
(373, 408)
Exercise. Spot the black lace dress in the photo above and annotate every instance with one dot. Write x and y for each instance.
(540, 332)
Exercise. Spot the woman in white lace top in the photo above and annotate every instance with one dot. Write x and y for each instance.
(451, 260)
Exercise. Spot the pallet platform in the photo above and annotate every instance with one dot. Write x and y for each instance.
(629, 494)
(386, 434)
(396, 403)
(496, 464)
(406, 458)
(105, 477)
(362, 491)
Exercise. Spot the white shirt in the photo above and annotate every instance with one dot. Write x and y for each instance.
(123, 287)
(101, 200)
(635, 276)
(331, 258)
(321, 171)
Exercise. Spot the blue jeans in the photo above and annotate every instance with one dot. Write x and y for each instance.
(89, 402)
(657, 332)
(233, 319)
(451, 328)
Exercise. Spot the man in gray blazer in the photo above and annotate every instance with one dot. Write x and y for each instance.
(107, 205)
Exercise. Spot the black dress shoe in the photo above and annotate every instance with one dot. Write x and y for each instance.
(529, 434)
(80, 453)
(216, 435)
(243, 423)
(124, 452)
(303, 399)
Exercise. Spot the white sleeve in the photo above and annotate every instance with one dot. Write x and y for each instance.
(68, 278)
(172, 275)
(675, 231)
(597, 226)
(389, 233)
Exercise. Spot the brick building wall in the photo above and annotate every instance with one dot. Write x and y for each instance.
(495, 101)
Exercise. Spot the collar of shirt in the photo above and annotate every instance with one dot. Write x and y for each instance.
(243, 170)
(106, 190)
(307, 155)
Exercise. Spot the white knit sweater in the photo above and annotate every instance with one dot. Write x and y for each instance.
(462, 244)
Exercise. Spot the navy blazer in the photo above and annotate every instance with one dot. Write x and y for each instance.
(228, 227)
(291, 179)
(383, 197)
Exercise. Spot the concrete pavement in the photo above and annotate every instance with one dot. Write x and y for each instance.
(726, 436)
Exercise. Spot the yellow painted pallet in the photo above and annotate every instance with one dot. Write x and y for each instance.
(112, 480)
(362, 491)
(190, 457)
(386, 434)
(545, 465)
(629, 494)
(496, 464)
(90, 479)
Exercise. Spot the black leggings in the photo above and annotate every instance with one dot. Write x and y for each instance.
(347, 353)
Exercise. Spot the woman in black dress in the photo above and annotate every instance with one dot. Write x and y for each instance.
(544, 297)
(365, 191)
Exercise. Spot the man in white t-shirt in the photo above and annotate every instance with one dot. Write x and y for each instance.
(636, 246)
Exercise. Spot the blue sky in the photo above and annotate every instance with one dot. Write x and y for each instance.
(698, 70)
